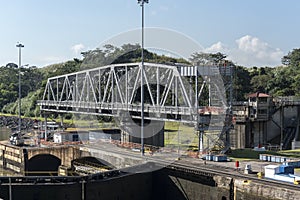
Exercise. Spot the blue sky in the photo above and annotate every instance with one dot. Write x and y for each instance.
(250, 32)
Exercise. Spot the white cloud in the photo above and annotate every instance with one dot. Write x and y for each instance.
(217, 47)
(153, 12)
(251, 44)
(77, 48)
(163, 8)
(52, 59)
(45, 60)
(249, 51)
(159, 10)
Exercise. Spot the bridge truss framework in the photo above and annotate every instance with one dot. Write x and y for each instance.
(172, 93)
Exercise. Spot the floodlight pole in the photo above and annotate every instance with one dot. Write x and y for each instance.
(20, 46)
(142, 2)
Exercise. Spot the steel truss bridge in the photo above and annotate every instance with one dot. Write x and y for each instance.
(171, 92)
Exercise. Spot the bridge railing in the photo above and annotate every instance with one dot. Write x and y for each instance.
(119, 106)
(116, 108)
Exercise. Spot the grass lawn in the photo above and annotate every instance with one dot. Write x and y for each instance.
(180, 134)
(291, 153)
(241, 154)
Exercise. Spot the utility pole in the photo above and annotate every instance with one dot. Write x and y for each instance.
(20, 46)
(142, 2)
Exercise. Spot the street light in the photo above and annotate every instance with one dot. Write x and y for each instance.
(142, 2)
(20, 46)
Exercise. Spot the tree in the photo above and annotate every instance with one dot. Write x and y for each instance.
(240, 89)
(260, 83)
(292, 59)
(12, 65)
(8, 85)
(281, 82)
(207, 58)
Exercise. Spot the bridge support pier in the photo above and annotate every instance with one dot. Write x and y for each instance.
(153, 133)
(61, 121)
(45, 136)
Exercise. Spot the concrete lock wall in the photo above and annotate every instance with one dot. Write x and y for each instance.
(41, 191)
(253, 191)
(289, 113)
(131, 186)
(12, 158)
(238, 136)
(115, 159)
(169, 184)
(160, 185)
(165, 183)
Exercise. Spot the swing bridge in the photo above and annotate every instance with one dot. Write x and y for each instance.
(190, 94)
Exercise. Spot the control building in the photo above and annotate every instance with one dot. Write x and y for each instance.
(266, 121)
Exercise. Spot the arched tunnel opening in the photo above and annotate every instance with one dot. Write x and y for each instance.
(90, 165)
(43, 165)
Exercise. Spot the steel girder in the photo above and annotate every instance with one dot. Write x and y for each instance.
(114, 90)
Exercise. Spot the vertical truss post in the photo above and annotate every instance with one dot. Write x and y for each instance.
(126, 85)
(57, 91)
(157, 86)
(99, 85)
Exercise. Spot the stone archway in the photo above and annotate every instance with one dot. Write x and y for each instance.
(43, 164)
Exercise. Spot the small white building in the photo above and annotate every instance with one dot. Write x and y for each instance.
(61, 137)
(106, 134)
(271, 170)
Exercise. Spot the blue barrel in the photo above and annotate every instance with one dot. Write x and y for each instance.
(209, 157)
(269, 158)
(281, 168)
(284, 169)
(216, 158)
(298, 164)
(283, 159)
(291, 163)
(266, 157)
(278, 159)
(273, 158)
(220, 158)
(263, 157)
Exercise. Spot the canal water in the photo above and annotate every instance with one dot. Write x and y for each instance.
(4, 135)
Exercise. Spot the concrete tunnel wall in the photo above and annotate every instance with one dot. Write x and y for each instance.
(42, 163)
(65, 153)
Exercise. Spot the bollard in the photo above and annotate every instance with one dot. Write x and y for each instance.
(237, 164)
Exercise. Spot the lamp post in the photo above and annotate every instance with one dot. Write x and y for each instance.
(20, 46)
(142, 2)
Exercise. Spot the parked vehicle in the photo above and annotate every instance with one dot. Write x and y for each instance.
(16, 139)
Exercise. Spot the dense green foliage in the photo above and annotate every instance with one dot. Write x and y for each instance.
(127, 53)
(278, 81)
(31, 79)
